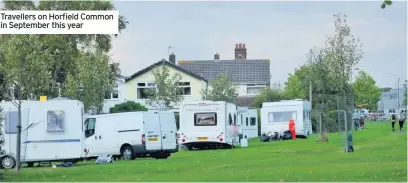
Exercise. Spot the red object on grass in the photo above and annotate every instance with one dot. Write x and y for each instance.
(292, 128)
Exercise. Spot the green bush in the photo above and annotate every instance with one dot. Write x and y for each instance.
(128, 106)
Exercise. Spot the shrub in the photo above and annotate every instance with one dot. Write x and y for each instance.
(128, 106)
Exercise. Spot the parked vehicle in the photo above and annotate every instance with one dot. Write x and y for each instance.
(131, 134)
(248, 123)
(205, 124)
(51, 131)
(275, 117)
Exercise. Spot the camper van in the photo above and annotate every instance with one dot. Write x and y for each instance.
(275, 117)
(248, 123)
(46, 128)
(131, 134)
(205, 124)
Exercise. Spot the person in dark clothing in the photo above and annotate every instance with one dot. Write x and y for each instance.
(393, 120)
(362, 123)
(401, 120)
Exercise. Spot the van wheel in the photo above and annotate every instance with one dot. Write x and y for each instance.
(127, 153)
(8, 162)
(189, 147)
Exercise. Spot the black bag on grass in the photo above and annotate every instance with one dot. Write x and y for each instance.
(287, 135)
(264, 138)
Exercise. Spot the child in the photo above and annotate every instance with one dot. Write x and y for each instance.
(401, 120)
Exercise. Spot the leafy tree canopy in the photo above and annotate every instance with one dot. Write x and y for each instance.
(366, 92)
(128, 106)
(222, 89)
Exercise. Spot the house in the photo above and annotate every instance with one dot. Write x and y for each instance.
(191, 83)
(393, 100)
(251, 75)
(117, 95)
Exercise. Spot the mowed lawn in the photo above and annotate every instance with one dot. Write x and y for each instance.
(380, 155)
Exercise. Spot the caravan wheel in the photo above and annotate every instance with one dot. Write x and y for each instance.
(8, 162)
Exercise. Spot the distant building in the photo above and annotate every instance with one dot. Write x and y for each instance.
(389, 100)
(251, 75)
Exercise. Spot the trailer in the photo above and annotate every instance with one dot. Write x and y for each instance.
(50, 131)
(248, 123)
(275, 117)
(206, 124)
(131, 134)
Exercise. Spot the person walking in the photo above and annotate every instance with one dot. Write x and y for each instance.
(393, 120)
(356, 122)
(401, 120)
(362, 123)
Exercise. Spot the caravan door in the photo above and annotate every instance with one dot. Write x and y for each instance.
(152, 131)
(168, 130)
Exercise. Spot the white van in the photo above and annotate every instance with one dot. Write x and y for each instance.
(131, 134)
(46, 128)
(208, 123)
(275, 117)
(248, 123)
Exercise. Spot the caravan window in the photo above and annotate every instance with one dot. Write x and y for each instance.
(205, 119)
(235, 120)
(55, 121)
(253, 121)
(90, 127)
(282, 116)
(230, 119)
(242, 119)
(11, 119)
(246, 121)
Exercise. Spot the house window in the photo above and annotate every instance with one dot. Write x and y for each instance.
(142, 90)
(55, 121)
(185, 88)
(11, 119)
(113, 95)
(253, 121)
(254, 89)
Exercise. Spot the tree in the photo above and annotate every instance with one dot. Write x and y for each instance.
(128, 106)
(268, 95)
(64, 48)
(293, 88)
(386, 3)
(222, 89)
(366, 92)
(25, 66)
(91, 80)
(167, 92)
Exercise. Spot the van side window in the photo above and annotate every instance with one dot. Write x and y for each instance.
(246, 121)
(242, 119)
(11, 119)
(90, 127)
(230, 119)
(253, 121)
(304, 114)
(235, 120)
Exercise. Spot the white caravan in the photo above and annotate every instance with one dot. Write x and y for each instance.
(208, 123)
(131, 134)
(46, 128)
(248, 123)
(275, 117)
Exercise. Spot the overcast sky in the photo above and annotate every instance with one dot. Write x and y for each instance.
(280, 31)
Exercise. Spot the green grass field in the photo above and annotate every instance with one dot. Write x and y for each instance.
(380, 155)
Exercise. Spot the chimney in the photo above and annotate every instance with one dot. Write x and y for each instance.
(172, 58)
(240, 51)
(216, 56)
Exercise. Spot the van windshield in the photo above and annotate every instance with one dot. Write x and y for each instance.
(284, 116)
(205, 119)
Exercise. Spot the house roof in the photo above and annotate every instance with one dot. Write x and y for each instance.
(167, 63)
(239, 71)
